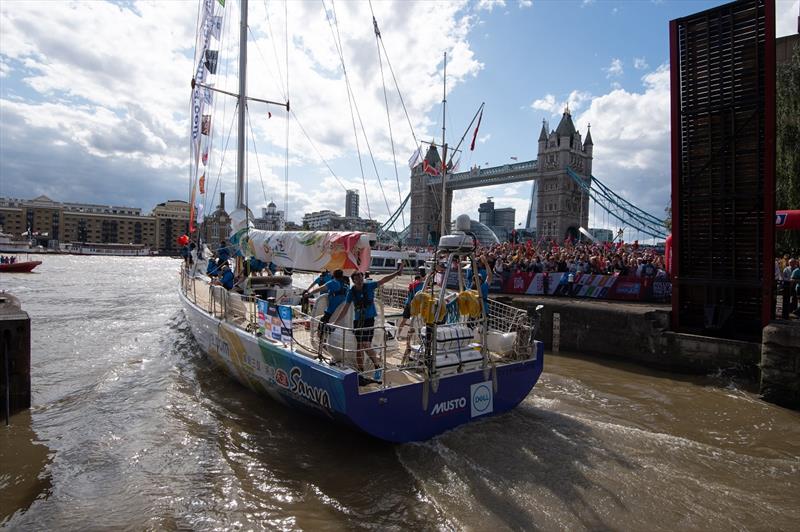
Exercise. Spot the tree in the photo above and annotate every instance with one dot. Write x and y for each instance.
(787, 166)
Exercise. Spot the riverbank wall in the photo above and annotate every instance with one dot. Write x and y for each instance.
(15, 357)
(780, 363)
(635, 332)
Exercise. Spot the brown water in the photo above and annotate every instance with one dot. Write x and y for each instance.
(133, 428)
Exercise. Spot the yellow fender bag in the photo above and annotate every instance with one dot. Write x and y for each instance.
(423, 305)
(469, 303)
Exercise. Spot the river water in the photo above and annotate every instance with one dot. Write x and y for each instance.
(132, 427)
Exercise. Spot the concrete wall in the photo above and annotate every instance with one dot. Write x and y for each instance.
(638, 333)
(15, 354)
(780, 363)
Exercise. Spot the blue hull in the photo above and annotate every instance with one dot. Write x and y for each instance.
(411, 412)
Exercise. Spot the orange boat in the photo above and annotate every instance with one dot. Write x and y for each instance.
(20, 267)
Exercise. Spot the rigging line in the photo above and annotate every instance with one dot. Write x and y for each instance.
(258, 161)
(360, 121)
(388, 114)
(264, 59)
(274, 50)
(286, 169)
(317, 150)
(417, 143)
(350, 103)
(222, 160)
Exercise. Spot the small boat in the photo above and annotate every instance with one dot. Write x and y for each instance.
(20, 267)
(106, 249)
(386, 261)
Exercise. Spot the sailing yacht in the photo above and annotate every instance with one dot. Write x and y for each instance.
(463, 359)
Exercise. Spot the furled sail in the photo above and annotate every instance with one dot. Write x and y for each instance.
(303, 250)
(308, 250)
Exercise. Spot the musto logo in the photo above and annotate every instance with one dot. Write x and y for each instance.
(452, 405)
(481, 399)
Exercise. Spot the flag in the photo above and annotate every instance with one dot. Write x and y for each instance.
(216, 26)
(412, 162)
(203, 183)
(269, 115)
(454, 168)
(205, 156)
(514, 159)
(206, 127)
(475, 135)
(208, 96)
(221, 2)
(199, 211)
(428, 169)
(211, 61)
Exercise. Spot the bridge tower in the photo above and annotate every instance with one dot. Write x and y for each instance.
(561, 206)
(426, 202)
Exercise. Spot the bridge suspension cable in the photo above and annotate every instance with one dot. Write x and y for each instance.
(620, 208)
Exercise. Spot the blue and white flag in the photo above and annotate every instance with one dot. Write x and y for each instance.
(216, 26)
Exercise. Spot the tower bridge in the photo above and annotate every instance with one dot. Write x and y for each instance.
(561, 205)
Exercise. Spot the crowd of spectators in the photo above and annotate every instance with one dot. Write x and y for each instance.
(787, 274)
(579, 257)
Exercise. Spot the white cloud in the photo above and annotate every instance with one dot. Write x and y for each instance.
(640, 63)
(615, 68)
(484, 138)
(587, 3)
(631, 134)
(489, 5)
(786, 13)
(525, 3)
(120, 111)
(575, 101)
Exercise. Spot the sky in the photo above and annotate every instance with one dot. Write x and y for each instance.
(94, 97)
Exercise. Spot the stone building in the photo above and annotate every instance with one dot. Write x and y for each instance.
(271, 219)
(217, 226)
(561, 205)
(426, 203)
(172, 221)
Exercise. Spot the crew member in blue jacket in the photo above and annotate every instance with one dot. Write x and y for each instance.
(223, 253)
(362, 296)
(323, 278)
(226, 277)
(485, 276)
(336, 288)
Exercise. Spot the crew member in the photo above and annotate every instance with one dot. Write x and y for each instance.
(413, 287)
(223, 253)
(226, 277)
(362, 296)
(321, 279)
(336, 288)
(485, 277)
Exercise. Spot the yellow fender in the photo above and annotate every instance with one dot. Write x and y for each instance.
(423, 305)
(469, 303)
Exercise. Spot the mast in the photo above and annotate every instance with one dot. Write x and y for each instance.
(242, 107)
(444, 149)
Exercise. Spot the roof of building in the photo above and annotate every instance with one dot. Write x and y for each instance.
(588, 141)
(566, 128)
(543, 134)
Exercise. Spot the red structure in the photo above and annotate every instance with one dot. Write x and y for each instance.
(722, 67)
